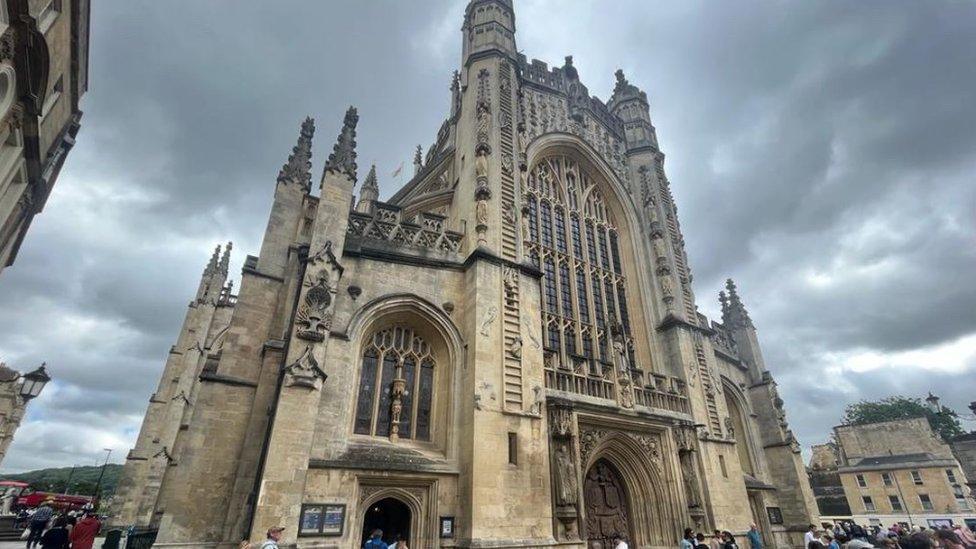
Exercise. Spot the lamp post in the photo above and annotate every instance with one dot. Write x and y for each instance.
(98, 487)
(34, 382)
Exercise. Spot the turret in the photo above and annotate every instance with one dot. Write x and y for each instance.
(489, 27)
(343, 157)
(369, 192)
(630, 104)
(293, 183)
(737, 321)
(214, 275)
(418, 160)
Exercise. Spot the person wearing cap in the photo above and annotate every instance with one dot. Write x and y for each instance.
(274, 534)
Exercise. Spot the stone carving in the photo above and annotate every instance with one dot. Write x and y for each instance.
(689, 475)
(515, 348)
(354, 291)
(488, 320)
(483, 108)
(729, 428)
(626, 391)
(298, 168)
(7, 44)
(531, 333)
(314, 318)
(396, 407)
(566, 492)
(560, 422)
(508, 213)
(620, 348)
(667, 292)
(305, 371)
(343, 157)
(510, 277)
(606, 508)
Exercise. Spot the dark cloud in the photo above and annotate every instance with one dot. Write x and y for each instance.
(820, 153)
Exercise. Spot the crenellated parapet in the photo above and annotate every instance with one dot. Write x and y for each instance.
(426, 231)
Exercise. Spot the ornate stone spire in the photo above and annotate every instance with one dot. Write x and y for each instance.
(299, 165)
(225, 259)
(369, 192)
(418, 160)
(734, 314)
(343, 157)
(212, 264)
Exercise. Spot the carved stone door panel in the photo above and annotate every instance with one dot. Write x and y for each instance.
(606, 506)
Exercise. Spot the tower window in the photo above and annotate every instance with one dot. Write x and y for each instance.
(513, 448)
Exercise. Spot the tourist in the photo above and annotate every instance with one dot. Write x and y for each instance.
(755, 541)
(400, 543)
(38, 522)
(687, 540)
(274, 534)
(57, 536)
(966, 535)
(728, 540)
(811, 535)
(83, 534)
(619, 543)
(700, 541)
(918, 540)
(375, 541)
(716, 541)
(831, 540)
(948, 539)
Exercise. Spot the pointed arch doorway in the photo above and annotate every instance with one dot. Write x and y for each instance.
(606, 504)
(390, 515)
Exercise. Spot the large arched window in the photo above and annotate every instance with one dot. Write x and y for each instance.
(396, 385)
(573, 240)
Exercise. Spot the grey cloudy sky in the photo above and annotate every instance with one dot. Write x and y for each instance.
(821, 153)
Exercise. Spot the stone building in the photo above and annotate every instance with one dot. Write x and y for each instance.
(964, 448)
(505, 353)
(16, 390)
(43, 74)
(901, 471)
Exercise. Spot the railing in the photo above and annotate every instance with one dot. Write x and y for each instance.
(141, 538)
(596, 379)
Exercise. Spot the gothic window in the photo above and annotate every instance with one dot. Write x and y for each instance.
(396, 357)
(576, 237)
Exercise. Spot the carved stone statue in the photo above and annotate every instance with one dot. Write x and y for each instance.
(566, 493)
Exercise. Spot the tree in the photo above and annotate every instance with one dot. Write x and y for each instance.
(945, 422)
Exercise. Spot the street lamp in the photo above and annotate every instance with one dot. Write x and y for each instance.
(34, 382)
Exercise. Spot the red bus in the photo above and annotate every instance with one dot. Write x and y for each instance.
(28, 498)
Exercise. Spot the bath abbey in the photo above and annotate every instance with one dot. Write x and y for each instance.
(506, 352)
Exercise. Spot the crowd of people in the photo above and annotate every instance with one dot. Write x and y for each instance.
(844, 535)
(51, 529)
(850, 535)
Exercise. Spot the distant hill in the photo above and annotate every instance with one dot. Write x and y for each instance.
(83, 480)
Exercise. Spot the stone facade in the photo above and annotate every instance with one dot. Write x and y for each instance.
(506, 353)
(964, 449)
(901, 471)
(43, 74)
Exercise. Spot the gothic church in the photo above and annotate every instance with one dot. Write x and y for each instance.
(505, 353)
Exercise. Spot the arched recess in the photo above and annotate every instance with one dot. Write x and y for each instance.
(419, 529)
(652, 507)
(636, 255)
(739, 412)
(446, 347)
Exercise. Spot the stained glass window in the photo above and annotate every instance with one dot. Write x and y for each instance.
(395, 352)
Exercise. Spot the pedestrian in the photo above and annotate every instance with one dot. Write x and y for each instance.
(619, 543)
(966, 535)
(687, 540)
(811, 535)
(948, 539)
(38, 522)
(728, 540)
(755, 541)
(700, 541)
(375, 541)
(716, 541)
(831, 540)
(400, 543)
(84, 533)
(57, 536)
(274, 534)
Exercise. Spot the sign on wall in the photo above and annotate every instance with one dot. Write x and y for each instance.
(322, 519)
(447, 527)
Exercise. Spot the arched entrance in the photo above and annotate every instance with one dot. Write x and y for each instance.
(607, 510)
(390, 515)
